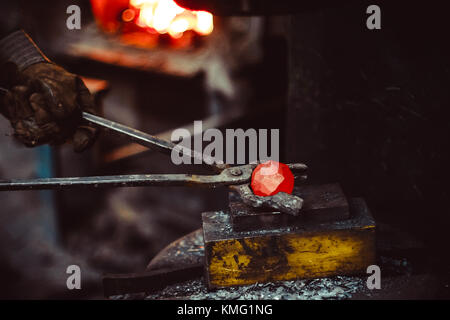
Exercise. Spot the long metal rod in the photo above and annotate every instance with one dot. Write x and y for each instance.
(137, 136)
(147, 140)
(209, 181)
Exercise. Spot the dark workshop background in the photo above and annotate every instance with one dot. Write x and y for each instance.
(370, 109)
(367, 109)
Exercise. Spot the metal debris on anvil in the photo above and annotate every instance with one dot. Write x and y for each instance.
(336, 288)
(285, 202)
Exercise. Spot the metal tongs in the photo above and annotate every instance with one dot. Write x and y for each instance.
(237, 178)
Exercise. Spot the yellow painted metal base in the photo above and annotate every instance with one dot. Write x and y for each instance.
(315, 250)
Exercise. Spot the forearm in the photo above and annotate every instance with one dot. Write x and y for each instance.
(19, 48)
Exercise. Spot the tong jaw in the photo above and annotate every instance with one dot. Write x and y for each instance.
(281, 201)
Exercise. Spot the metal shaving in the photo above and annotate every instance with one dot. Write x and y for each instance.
(336, 288)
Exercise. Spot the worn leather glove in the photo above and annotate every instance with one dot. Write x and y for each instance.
(45, 106)
(44, 102)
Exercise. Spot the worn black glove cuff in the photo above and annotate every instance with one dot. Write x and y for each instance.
(19, 48)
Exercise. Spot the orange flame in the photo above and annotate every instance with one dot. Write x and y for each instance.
(165, 16)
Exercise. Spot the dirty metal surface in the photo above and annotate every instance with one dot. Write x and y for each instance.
(404, 275)
(311, 250)
(321, 203)
(219, 224)
(190, 250)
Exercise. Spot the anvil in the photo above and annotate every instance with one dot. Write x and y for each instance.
(330, 237)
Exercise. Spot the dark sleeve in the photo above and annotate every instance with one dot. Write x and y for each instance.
(10, 17)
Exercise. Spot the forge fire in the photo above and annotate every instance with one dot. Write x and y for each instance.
(143, 22)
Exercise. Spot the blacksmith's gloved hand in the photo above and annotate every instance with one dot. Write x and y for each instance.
(43, 101)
